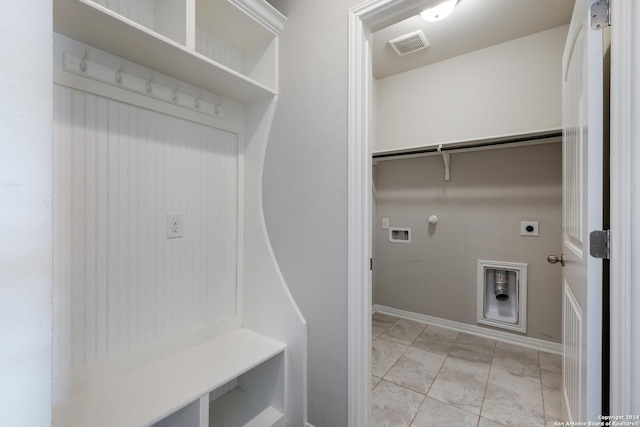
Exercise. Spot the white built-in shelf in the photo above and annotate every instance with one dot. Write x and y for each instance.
(141, 52)
(239, 408)
(222, 46)
(155, 391)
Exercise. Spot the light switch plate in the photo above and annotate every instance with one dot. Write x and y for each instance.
(529, 228)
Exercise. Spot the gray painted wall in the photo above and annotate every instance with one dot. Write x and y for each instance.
(479, 213)
(305, 190)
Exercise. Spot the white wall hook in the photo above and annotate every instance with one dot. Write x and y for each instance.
(174, 94)
(119, 72)
(161, 87)
(83, 61)
(148, 86)
(433, 220)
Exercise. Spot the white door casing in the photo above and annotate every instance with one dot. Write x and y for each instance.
(582, 101)
(365, 18)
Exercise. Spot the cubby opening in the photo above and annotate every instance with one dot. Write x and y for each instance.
(166, 17)
(189, 416)
(254, 398)
(224, 34)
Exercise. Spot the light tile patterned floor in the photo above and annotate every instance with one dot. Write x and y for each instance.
(431, 376)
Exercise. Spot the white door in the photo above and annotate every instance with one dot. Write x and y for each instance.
(582, 212)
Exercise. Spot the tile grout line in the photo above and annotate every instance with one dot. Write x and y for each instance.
(544, 406)
(424, 396)
(399, 357)
(486, 385)
(439, 369)
(394, 364)
(418, 410)
(447, 356)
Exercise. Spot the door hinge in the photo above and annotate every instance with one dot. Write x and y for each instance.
(599, 244)
(371, 264)
(600, 16)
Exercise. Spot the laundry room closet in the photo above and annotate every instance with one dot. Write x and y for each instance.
(467, 182)
(169, 307)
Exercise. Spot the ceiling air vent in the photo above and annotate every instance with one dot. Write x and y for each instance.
(409, 43)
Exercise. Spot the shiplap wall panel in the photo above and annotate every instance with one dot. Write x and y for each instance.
(140, 11)
(218, 50)
(119, 283)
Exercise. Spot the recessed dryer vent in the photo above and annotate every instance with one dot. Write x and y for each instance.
(409, 43)
(502, 295)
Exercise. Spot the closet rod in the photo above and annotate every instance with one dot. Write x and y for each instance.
(455, 146)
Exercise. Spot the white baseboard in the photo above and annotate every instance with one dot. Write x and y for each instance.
(534, 343)
(308, 425)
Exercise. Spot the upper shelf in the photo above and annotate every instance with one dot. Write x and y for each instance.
(529, 138)
(224, 46)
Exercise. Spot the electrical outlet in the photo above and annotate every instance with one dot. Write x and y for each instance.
(529, 228)
(174, 225)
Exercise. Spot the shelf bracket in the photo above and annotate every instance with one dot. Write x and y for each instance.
(445, 158)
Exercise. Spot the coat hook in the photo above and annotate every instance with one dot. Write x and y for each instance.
(148, 86)
(174, 93)
(218, 109)
(119, 72)
(83, 61)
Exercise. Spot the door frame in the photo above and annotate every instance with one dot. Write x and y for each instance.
(364, 19)
(373, 15)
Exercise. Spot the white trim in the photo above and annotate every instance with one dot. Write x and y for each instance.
(262, 12)
(359, 212)
(534, 343)
(625, 205)
(363, 19)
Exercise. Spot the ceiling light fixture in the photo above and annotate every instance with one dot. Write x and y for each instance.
(439, 10)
